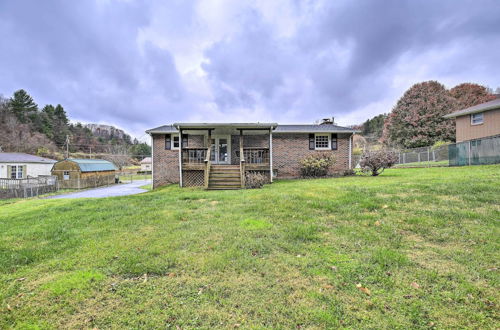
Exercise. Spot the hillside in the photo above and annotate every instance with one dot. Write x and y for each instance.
(26, 128)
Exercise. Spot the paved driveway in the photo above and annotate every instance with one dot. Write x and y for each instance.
(114, 190)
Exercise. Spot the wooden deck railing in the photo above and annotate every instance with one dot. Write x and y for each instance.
(256, 155)
(194, 155)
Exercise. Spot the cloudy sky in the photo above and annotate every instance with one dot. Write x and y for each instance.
(141, 64)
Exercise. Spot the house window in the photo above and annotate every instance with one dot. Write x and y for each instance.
(171, 141)
(322, 141)
(66, 175)
(16, 172)
(476, 118)
(175, 144)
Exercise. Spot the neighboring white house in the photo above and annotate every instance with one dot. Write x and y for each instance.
(146, 164)
(15, 165)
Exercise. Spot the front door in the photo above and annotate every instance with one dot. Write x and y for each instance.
(221, 150)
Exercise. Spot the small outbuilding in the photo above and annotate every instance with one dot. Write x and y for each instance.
(146, 165)
(84, 173)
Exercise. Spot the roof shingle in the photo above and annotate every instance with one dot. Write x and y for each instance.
(491, 105)
(17, 157)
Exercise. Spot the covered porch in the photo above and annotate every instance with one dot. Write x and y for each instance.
(219, 156)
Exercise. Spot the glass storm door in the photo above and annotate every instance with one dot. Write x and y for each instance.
(220, 150)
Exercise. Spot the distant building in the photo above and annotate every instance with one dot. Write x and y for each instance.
(84, 173)
(477, 122)
(14, 165)
(146, 164)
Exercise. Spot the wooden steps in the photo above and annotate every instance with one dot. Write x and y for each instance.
(223, 177)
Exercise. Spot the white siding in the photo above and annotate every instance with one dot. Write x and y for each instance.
(32, 169)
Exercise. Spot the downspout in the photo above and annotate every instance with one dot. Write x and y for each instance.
(350, 150)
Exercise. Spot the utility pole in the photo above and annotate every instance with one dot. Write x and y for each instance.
(90, 152)
(67, 146)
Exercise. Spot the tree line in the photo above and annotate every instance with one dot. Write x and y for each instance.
(417, 118)
(26, 128)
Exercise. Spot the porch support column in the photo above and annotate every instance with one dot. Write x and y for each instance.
(271, 155)
(242, 161)
(180, 156)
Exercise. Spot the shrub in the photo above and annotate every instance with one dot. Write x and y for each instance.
(440, 144)
(375, 162)
(316, 165)
(255, 180)
(348, 172)
(357, 151)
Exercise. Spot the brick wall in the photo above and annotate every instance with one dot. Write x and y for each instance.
(165, 163)
(289, 149)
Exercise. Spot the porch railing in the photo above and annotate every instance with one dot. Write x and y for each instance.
(194, 155)
(256, 155)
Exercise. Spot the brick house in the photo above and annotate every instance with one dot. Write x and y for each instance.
(477, 122)
(181, 153)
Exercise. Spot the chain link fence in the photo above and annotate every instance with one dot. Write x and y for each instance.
(475, 152)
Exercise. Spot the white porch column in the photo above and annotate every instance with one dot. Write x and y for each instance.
(180, 156)
(271, 154)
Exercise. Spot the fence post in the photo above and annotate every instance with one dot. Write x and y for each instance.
(469, 151)
(429, 156)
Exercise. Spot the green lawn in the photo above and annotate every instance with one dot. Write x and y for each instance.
(412, 248)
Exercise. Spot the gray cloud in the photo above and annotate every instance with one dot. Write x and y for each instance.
(139, 65)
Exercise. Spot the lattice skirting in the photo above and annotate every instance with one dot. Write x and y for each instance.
(192, 178)
(265, 173)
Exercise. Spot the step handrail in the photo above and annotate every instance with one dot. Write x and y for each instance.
(207, 167)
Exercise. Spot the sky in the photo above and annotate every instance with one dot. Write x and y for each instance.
(141, 64)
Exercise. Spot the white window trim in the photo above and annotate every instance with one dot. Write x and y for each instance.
(329, 136)
(472, 118)
(173, 147)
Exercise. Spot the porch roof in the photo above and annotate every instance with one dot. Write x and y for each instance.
(274, 126)
(325, 128)
(220, 125)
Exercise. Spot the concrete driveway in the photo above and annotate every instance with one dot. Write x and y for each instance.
(123, 189)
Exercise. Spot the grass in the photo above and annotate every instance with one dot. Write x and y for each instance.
(412, 248)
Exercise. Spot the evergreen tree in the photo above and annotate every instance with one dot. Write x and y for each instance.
(60, 125)
(47, 118)
(22, 105)
(60, 115)
(372, 128)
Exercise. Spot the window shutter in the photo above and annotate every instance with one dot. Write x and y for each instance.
(311, 142)
(25, 175)
(334, 141)
(185, 141)
(168, 142)
(9, 171)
